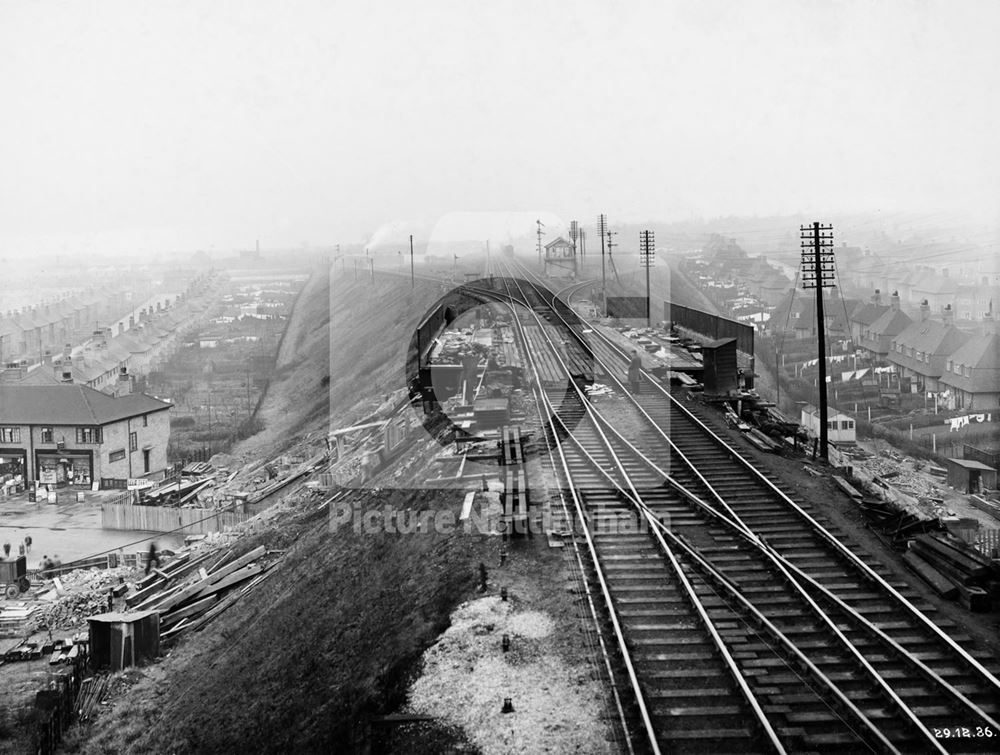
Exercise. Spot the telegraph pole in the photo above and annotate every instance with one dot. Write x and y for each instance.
(818, 273)
(611, 245)
(602, 229)
(647, 257)
(413, 279)
(539, 232)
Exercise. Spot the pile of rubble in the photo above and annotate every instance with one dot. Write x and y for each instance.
(903, 474)
(80, 594)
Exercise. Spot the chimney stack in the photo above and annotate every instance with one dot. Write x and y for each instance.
(877, 298)
(894, 301)
(948, 315)
(124, 386)
(925, 311)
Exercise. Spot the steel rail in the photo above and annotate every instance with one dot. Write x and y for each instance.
(759, 619)
(605, 591)
(733, 668)
(859, 564)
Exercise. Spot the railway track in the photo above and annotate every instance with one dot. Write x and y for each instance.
(743, 622)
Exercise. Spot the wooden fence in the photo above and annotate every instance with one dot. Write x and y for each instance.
(166, 519)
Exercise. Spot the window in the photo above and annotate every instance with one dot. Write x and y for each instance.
(968, 372)
(133, 441)
(145, 420)
(116, 455)
(10, 434)
(88, 435)
(951, 366)
(47, 435)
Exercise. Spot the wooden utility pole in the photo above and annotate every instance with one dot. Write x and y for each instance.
(602, 229)
(818, 273)
(539, 232)
(647, 256)
(413, 278)
(611, 257)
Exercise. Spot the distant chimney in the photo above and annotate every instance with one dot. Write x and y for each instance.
(124, 386)
(877, 298)
(894, 301)
(925, 311)
(948, 315)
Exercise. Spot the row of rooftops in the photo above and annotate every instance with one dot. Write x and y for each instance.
(104, 355)
(53, 313)
(935, 348)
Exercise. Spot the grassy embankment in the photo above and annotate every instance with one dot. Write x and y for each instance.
(299, 664)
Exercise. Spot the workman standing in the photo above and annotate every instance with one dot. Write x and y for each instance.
(634, 370)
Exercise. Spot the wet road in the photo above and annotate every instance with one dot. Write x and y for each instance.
(70, 530)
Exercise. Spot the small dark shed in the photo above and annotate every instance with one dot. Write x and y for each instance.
(120, 640)
(720, 373)
(968, 476)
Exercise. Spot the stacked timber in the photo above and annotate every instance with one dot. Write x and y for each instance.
(184, 604)
(954, 570)
(894, 525)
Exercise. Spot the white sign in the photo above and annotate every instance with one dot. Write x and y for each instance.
(139, 483)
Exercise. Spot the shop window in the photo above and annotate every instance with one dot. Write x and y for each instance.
(88, 435)
(116, 455)
(47, 435)
(133, 441)
(10, 434)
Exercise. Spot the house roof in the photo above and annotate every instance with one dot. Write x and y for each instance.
(935, 283)
(931, 337)
(70, 405)
(830, 411)
(134, 343)
(982, 355)
(891, 323)
(9, 328)
(39, 376)
(868, 313)
(558, 241)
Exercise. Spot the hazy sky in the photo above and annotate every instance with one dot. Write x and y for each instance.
(185, 125)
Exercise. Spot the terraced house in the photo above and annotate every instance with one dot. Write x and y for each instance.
(973, 370)
(922, 348)
(72, 435)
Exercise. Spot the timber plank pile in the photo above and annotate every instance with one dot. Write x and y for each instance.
(895, 526)
(954, 570)
(219, 581)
